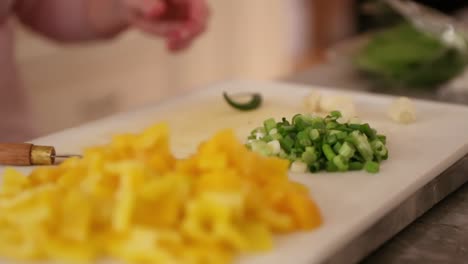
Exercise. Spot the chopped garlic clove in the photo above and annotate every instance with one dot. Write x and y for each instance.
(402, 111)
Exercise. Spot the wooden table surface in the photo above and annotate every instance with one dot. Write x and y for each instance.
(438, 236)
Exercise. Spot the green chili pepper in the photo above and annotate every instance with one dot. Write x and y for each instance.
(254, 102)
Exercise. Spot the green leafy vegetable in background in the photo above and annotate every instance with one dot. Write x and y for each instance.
(403, 56)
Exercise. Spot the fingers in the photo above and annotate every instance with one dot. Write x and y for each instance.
(179, 21)
(193, 26)
(146, 8)
(176, 38)
(198, 16)
(178, 41)
(163, 29)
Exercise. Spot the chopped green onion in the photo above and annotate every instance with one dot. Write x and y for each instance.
(273, 131)
(372, 167)
(356, 165)
(292, 156)
(299, 122)
(382, 138)
(261, 147)
(314, 134)
(315, 167)
(258, 130)
(282, 154)
(328, 151)
(335, 114)
(298, 167)
(303, 139)
(344, 128)
(258, 133)
(341, 135)
(296, 119)
(317, 123)
(276, 136)
(309, 156)
(379, 148)
(285, 128)
(347, 150)
(331, 125)
(286, 143)
(269, 124)
(367, 130)
(321, 143)
(274, 146)
(358, 157)
(385, 157)
(337, 147)
(331, 167)
(341, 163)
(332, 137)
(361, 143)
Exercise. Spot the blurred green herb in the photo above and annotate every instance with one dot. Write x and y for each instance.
(404, 57)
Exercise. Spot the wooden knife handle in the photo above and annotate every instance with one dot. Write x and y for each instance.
(25, 154)
(16, 154)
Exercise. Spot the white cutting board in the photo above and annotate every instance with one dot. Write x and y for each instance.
(350, 202)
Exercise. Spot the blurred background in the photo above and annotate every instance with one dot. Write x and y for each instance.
(246, 39)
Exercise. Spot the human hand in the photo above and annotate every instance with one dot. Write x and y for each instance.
(178, 21)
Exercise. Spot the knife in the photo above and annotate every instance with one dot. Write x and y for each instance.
(26, 154)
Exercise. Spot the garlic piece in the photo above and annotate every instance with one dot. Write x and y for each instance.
(402, 110)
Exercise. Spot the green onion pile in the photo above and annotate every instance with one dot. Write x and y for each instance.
(314, 143)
